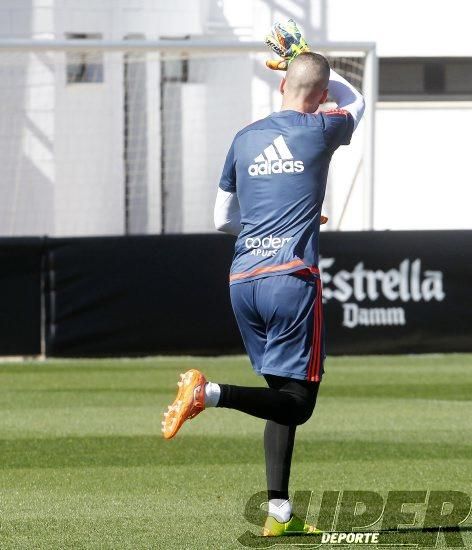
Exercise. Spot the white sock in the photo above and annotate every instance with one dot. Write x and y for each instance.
(212, 394)
(280, 509)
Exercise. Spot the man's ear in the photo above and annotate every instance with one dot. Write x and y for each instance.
(282, 86)
(324, 97)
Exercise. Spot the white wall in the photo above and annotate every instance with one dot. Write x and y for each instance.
(61, 146)
(404, 27)
(27, 98)
(423, 178)
(96, 186)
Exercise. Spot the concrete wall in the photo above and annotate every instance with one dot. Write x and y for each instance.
(62, 145)
(27, 98)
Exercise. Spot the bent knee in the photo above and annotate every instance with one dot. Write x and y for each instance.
(304, 418)
(304, 413)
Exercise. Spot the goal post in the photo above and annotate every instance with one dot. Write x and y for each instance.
(103, 137)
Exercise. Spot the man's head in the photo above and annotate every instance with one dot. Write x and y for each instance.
(305, 85)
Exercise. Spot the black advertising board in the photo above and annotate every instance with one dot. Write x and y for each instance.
(384, 292)
(113, 296)
(20, 296)
(396, 292)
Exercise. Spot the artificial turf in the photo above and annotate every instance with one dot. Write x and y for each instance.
(82, 463)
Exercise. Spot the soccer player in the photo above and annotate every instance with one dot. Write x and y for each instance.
(270, 196)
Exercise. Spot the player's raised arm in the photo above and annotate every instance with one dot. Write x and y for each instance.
(287, 42)
(346, 96)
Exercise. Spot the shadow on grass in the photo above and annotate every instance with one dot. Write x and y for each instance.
(153, 450)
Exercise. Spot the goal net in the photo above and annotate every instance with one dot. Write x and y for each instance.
(130, 137)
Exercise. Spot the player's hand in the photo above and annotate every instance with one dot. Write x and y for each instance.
(323, 220)
(287, 41)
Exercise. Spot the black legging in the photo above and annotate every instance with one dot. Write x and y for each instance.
(285, 404)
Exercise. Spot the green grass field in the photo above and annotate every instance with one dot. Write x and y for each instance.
(83, 464)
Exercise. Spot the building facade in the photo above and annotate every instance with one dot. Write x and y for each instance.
(111, 143)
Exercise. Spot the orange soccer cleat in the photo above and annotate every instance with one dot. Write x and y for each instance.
(189, 402)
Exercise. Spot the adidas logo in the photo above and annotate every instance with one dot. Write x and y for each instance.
(276, 159)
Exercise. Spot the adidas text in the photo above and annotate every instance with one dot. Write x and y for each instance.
(276, 167)
(275, 159)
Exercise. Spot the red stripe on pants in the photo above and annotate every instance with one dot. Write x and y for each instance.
(315, 360)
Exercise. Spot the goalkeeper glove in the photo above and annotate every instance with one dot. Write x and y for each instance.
(286, 41)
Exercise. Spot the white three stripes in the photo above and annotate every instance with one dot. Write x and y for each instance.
(282, 148)
(271, 153)
(279, 146)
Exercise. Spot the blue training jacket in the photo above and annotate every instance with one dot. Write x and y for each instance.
(279, 168)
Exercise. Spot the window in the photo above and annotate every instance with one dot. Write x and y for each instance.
(84, 66)
(425, 79)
